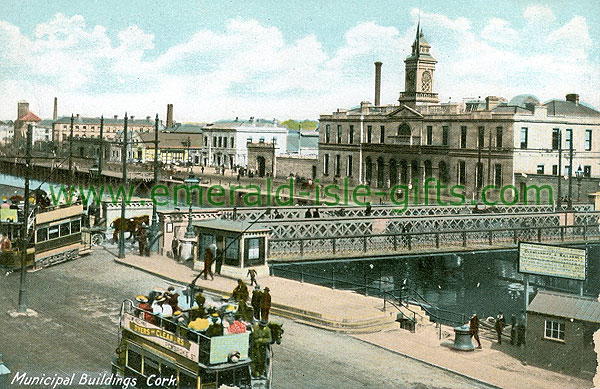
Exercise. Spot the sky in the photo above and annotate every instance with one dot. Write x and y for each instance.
(295, 59)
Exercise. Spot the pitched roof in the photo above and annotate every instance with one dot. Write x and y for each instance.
(569, 108)
(30, 117)
(566, 305)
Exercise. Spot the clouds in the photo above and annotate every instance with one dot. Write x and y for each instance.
(249, 68)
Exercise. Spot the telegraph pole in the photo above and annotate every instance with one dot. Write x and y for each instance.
(154, 226)
(570, 202)
(489, 172)
(101, 159)
(25, 226)
(71, 155)
(124, 185)
(558, 192)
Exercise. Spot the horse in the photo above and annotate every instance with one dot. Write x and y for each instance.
(130, 225)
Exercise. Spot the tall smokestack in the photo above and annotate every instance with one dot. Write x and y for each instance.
(377, 83)
(55, 115)
(169, 115)
(22, 109)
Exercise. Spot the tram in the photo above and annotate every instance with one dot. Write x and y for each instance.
(156, 352)
(57, 237)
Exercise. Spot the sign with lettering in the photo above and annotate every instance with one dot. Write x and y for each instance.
(222, 346)
(555, 261)
(160, 336)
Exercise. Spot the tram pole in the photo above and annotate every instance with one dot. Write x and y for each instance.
(25, 226)
(124, 184)
(154, 226)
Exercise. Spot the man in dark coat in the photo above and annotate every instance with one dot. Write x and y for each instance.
(265, 305)
(474, 329)
(240, 292)
(252, 275)
(513, 329)
(260, 339)
(499, 326)
(208, 260)
(521, 329)
(142, 239)
(256, 300)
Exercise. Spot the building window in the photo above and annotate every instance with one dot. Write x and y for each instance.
(567, 170)
(339, 133)
(215, 141)
(462, 173)
(480, 136)
(445, 135)
(588, 140)
(524, 137)
(349, 166)
(498, 137)
(569, 140)
(429, 140)
(225, 142)
(253, 248)
(369, 133)
(497, 175)
(554, 330)
(382, 134)
(555, 170)
(220, 142)
(463, 137)
(233, 250)
(540, 169)
(206, 141)
(327, 133)
(555, 138)
(351, 135)
(338, 163)
(326, 165)
(231, 143)
(587, 171)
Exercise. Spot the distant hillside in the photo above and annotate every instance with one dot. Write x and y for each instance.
(306, 124)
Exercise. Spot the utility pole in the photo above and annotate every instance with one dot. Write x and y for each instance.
(154, 226)
(558, 192)
(101, 159)
(489, 172)
(570, 202)
(25, 226)
(71, 155)
(479, 171)
(124, 185)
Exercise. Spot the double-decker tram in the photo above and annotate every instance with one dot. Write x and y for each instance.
(207, 346)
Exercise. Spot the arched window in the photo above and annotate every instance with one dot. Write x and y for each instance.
(404, 130)
(426, 81)
(368, 170)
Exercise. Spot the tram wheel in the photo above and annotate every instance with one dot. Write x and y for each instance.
(97, 239)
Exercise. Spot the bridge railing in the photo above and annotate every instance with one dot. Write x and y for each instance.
(307, 247)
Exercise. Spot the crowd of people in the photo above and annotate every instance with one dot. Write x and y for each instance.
(517, 330)
(232, 315)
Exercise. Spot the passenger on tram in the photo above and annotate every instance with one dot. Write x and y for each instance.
(145, 308)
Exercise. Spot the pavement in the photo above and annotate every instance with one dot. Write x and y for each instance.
(364, 318)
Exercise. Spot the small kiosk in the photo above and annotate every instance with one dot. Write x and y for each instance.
(240, 246)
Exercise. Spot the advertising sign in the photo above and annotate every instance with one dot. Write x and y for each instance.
(555, 261)
(164, 338)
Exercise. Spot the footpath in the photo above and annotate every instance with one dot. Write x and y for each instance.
(363, 318)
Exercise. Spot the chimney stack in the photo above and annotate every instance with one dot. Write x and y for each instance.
(55, 115)
(491, 102)
(22, 109)
(377, 83)
(573, 98)
(169, 115)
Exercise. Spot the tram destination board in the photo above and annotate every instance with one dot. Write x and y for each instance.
(555, 261)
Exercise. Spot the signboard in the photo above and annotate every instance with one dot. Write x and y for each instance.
(222, 346)
(158, 335)
(555, 261)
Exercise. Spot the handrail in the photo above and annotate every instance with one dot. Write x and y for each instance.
(426, 304)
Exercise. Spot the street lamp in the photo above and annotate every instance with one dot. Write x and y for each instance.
(579, 176)
(94, 174)
(187, 245)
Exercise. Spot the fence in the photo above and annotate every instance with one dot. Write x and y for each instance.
(315, 247)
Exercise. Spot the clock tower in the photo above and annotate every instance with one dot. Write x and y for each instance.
(419, 69)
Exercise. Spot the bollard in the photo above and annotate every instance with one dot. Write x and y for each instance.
(462, 339)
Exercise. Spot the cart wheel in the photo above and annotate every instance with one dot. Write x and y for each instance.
(97, 239)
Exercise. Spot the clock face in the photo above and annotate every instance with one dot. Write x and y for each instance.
(410, 80)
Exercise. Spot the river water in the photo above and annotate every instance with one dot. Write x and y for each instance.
(465, 283)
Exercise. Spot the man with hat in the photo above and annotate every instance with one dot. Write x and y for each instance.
(474, 329)
(142, 239)
(260, 339)
(255, 302)
(172, 298)
(240, 292)
(265, 305)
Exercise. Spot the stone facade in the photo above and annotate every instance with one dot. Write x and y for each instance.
(263, 154)
(469, 145)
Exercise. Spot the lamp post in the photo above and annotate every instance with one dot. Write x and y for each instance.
(94, 174)
(579, 176)
(154, 225)
(188, 240)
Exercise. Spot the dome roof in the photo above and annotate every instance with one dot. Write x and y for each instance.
(523, 100)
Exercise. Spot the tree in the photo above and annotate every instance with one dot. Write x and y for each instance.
(306, 124)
